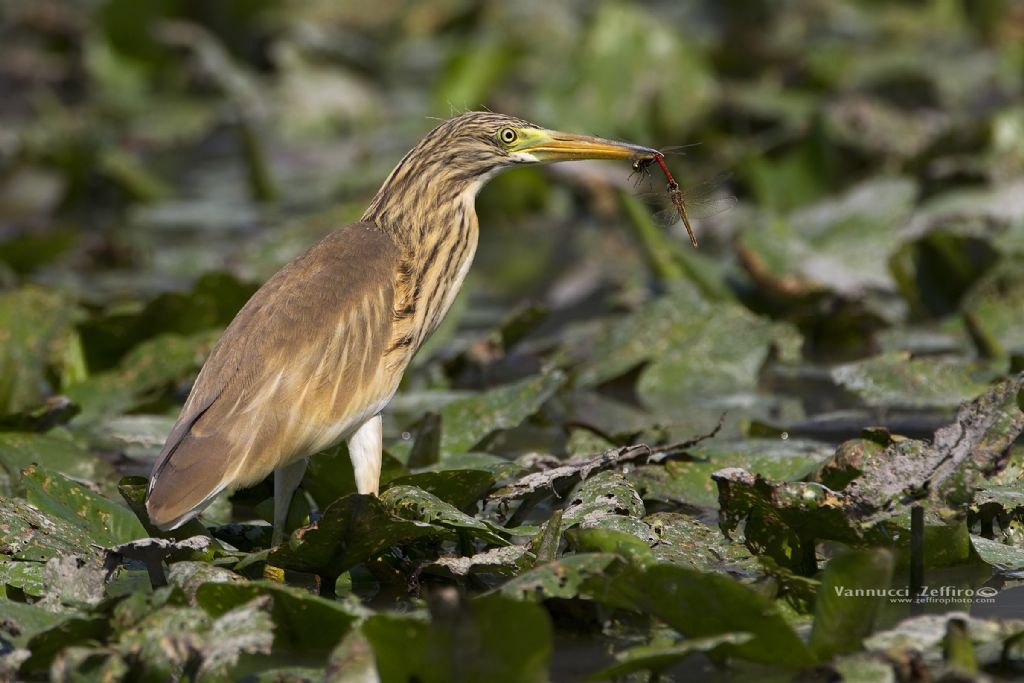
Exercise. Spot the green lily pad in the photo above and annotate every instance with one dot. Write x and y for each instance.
(190, 576)
(28, 577)
(849, 601)
(329, 475)
(602, 540)
(409, 502)
(458, 487)
(656, 658)
(213, 301)
(1003, 557)
(994, 304)
(28, 533)
(688, 480)
(840, 246)
(138, 436)
(687, 542)
(56, 454)
(925, 635)
(701, 605)
(301, 622)
(89, 665)
(168, 638)
(45, 645)
(148, 369)
(693, 350)
(466, 421)
(490, 638)
(1009, 497)
(351, 530)
(35, 324)
(895, 380)
(604, 494)
(102, 521)
(974, 445)
(352, 661)
(498, 467)
(564, 578)
(27, 619)
(508, 560)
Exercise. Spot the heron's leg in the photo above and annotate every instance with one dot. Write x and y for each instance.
(286, 480)
(364, 448)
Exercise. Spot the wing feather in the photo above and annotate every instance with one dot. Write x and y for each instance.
(294, 364)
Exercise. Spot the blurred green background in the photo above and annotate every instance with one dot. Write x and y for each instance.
(160, 159)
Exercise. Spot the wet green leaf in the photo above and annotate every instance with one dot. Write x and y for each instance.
(602, 495)
(490, 638)
(28, 577)
(564, 578)
(687, 542)
(50, 451)
(351, 530)
(895, 380)
(409, 502)
(1003, 557)
(148, 369)
(34, 323)
(656, 658)
(460, 488)
(301, 622)
(688, 480)
(700, 605)
(102, 521)
(465, 422)
(848, 603)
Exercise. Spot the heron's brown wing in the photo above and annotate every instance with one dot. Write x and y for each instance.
(293, 365)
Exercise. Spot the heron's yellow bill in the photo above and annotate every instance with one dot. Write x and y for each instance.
(553, 145)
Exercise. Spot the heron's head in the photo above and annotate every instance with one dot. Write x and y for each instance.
(462, 153)
(483, 142)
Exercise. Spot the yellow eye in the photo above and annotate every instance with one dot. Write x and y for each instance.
(508, 135)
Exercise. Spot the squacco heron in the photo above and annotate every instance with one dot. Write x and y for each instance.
(318, 351)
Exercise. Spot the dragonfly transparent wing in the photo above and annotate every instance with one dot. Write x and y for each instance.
(704, 199)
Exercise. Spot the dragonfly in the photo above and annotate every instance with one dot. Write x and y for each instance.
(702, 200)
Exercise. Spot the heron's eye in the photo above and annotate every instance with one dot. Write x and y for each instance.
(508, 135)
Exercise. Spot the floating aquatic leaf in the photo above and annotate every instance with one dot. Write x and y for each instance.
(508, 560)
(491, 638)
(409, 502)
(655, 658)
(34, 323)
(700, 605)
(849, 601)
(459, 487)
(57, 453)
(301, 622)
(687, 480)
(465, 422)
(604, 494)
(102, 521)
(351, 530)
(150, 367)
(1007, 559)
(895, 380)
(563, 578)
